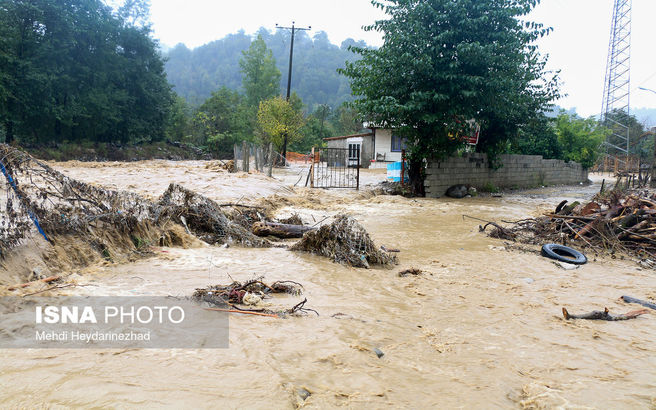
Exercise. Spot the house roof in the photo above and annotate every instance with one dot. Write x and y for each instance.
(366, 134)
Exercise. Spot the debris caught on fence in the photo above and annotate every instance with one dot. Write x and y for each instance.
(605, 315)
(345, 241)
(615, 222)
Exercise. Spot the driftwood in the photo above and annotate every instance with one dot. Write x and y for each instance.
(280, 230)
(24, 285)
(599, 315)
(629, 299)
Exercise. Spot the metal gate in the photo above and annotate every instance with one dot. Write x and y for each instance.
(336, 168)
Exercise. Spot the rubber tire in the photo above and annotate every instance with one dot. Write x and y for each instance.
(555, 251)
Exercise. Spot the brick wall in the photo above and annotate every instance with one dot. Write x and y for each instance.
(518, 171)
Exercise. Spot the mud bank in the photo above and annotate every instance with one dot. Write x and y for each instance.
(481, 327)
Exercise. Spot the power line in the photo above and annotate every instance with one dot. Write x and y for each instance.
(293, 29)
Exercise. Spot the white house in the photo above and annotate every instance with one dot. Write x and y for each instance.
(378, 147)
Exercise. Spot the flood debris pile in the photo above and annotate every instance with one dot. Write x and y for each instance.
(43, 199)
(616, 222)
(81, 220)
(345, 241)
(204, 218)
(237, 295)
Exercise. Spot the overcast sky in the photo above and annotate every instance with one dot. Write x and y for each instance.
(578, 45)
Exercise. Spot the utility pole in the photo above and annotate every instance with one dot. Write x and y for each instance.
(293, 29)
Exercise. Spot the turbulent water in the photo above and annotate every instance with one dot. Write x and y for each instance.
(481, 327)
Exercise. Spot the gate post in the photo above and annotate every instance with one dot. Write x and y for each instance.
(312, 170)
(357, 178)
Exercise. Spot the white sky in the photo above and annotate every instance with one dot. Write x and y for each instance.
(578, 45)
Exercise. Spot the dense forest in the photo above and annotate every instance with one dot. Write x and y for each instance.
(79, 70)
(196, 73)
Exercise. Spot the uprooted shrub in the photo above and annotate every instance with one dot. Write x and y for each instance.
(345, 241)
(203, 217)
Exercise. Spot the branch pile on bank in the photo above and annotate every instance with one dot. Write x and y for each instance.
(616, 222)
(345, 241)
(203, 217)
(83, 219)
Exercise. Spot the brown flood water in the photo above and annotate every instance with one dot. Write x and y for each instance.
(480, 328)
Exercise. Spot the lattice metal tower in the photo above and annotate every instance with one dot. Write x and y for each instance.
(617, 87)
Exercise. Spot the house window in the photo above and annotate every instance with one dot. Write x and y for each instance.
(398, 143)
(354, 151)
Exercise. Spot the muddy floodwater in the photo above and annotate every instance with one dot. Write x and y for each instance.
(480, 328)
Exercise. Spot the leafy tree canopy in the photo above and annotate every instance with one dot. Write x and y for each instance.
(580, 139)
(221, 121)
(75, 69)
(261, 77)
(276, 118)
(446, 61)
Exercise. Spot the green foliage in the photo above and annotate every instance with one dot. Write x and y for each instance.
(261, 77)
(538, 137)
(489, 187)
(446, 61)
(276, 118)
(580, 139)
(639, 146)
(177, 127)
(74, 70)
(197, 72)
(221, 121)
(348, 120)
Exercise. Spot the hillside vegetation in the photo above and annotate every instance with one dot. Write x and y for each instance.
(196, 73)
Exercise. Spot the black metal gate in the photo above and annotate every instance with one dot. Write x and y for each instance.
(336, 168)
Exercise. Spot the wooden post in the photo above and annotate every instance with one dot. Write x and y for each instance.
(246, 156)
(271, 153)
(312, 170)
(235, 149)
(652, 183)
(262, 158)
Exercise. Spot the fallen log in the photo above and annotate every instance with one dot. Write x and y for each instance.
(629, 299)
(280, 230)
(599, 315)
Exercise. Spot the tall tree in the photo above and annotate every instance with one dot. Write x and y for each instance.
(261, 77)
(445, 62)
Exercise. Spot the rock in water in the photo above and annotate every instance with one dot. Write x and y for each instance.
(457, 191)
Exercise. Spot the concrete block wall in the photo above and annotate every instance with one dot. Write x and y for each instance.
(518, 171)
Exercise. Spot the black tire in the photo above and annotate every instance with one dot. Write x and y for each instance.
(563, 253)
